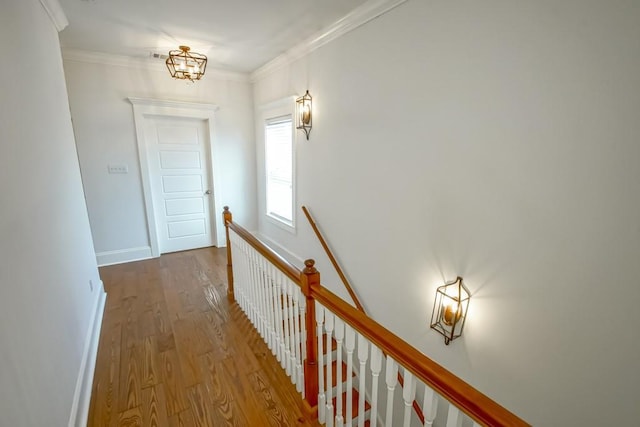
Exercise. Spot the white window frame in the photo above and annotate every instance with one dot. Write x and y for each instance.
(271, 217)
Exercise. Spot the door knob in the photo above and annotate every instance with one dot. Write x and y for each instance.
(207, 192)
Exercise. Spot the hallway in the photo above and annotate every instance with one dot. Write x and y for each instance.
(174, 352)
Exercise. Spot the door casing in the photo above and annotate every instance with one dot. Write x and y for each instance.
(143, 108)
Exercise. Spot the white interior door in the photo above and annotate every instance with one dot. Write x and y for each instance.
(180, 171)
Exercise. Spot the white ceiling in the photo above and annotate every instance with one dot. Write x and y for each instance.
(236, 35)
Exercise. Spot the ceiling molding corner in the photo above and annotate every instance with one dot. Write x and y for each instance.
(356, 18)
(55, 12)
(144, 63)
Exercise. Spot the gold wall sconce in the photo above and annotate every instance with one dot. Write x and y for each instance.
(186, 65)
(450, 309)
(304, 117)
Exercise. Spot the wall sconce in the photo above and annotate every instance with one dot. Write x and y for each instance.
(450, 309)
(303, 113)
(186, 65)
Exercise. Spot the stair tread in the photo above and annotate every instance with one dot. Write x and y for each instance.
(354, 402)
(334, 372)
(334, 344)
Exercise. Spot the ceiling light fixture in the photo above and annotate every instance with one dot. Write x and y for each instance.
(186, 65)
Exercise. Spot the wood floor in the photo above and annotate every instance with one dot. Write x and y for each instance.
(174, 352)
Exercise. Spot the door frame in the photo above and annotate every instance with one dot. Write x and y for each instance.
(144, 108)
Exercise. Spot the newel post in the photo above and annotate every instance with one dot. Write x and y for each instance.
(310, 279)
(227, 219)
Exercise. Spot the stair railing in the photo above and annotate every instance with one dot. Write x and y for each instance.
(276, 297)
(333, 260)
(350, 290)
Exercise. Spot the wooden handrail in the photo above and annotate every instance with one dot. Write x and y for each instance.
(462, 395)
(273, 257)
(333, 260)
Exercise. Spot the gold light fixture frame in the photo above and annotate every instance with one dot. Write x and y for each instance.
(450, 309)
(304, 113)
(186, 65)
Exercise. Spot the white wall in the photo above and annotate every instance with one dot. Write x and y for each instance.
(46, 252)
(497, 141)
(105, 134)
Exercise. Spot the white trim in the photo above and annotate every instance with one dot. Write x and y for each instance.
(148, 63)
(150, 102)
(283, 107)
(356, 18)
(291, 228)
(82, 396)
(123, 255)
(155, 107)
(285, 253)
(56, 13)
(278, 103)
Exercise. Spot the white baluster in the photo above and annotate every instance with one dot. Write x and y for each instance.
(376, 367)
(321, 395)
(475, 424)
(254, 290)
(274, 307)
(408, 394)
(239, 286)
(261, 299)
(297, 338)
(238, 267)
(303, 340)
(280, 319)
(245, 274)
(430, 405)
(363, 353)
(454, 417)
(264, 282)
(268, 299)
(329, 318)
(349, 344)
(287, 325)
(292, 332)
(392, 380)
(339, 331)
(249, 283)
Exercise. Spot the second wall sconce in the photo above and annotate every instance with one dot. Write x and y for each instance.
(450, 309)
(304, 117)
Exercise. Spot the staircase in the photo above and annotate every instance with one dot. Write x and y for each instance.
(316, 337)
(342, 380)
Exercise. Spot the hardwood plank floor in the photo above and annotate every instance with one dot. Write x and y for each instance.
(174, 352)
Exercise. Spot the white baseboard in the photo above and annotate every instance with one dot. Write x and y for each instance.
(82, 396)
(123, 255)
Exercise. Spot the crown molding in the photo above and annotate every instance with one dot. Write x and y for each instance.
(149, 63)
(356, 18)
(55, 12)
(172, 104)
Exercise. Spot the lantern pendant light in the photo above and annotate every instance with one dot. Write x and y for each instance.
(186, 65)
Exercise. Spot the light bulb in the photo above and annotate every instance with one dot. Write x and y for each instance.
(451, 312)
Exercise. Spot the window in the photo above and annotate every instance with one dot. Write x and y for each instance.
(278, 135)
